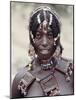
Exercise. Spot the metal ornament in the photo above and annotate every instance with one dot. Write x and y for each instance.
(44, 23)
(31, 35)
(55, 39)
(38, 18)
(50, 19)
(54, 43)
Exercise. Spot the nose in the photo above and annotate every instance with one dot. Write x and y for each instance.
(44, 41)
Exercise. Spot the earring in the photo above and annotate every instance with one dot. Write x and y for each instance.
(31, 52)
(54, 43)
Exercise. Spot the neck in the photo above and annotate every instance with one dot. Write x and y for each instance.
(44, 61)
(47, 64)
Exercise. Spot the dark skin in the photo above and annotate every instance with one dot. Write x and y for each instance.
(44, 42)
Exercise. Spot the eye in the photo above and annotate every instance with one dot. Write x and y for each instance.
(50, 35)
(38, 35)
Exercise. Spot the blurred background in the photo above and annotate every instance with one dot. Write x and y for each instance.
(20, 14)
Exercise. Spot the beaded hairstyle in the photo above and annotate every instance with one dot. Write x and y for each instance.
(45, 14)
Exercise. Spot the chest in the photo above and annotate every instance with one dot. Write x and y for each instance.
(65, 88)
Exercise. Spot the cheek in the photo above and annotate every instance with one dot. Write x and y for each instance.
(37, 43)
(50, 42)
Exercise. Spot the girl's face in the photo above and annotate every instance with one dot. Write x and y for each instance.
(44, 41)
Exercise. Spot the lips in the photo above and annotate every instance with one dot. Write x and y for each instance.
(44, 48)
(44, 51)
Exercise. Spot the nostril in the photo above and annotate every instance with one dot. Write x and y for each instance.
(44, 41)
(44, 44)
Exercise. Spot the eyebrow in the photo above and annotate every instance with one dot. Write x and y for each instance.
(49, 31)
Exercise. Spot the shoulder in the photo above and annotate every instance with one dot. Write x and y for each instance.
(14, 91)
(22, 72)
(65, 75)
(22, 75)
(65, 66)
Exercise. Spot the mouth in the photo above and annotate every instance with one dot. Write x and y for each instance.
(45, 51)
(44, 48)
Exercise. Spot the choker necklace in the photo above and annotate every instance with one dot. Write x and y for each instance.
(49, 65)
